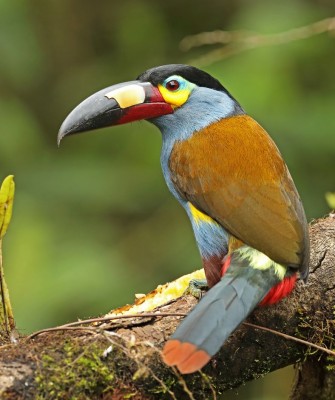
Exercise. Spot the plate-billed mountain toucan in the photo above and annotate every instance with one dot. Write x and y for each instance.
(229, 176)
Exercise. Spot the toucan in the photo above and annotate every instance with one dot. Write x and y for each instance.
(229, 176)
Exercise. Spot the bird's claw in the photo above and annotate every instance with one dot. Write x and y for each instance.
(196, 287)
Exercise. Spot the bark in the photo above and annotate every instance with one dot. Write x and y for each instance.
(93, 363)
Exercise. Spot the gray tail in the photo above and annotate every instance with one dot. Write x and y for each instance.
(218, 314)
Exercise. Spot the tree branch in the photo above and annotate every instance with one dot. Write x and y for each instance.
(238, 41)
(123, 357)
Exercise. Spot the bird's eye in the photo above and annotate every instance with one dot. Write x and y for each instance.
(172, 85)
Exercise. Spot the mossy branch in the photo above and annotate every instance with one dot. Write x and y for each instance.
(122, 359)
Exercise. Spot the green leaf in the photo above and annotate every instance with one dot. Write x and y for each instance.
(6, 203)
(330, 198)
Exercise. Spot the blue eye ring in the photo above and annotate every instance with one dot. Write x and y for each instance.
(174, 83)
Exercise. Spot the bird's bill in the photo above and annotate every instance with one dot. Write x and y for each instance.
(115, 105)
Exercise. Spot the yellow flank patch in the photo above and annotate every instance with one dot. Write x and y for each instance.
(127, 96)
(177, 98)
(260, 261)
(199, 216)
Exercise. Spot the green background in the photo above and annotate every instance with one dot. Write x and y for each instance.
(93, 221)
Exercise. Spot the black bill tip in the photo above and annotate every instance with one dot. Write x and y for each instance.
(97, 111)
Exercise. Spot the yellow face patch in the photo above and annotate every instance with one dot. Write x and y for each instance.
(176, 90)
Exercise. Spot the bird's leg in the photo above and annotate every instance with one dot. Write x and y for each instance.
(196, 287)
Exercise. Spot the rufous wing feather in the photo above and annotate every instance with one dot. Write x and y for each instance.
(233, 172)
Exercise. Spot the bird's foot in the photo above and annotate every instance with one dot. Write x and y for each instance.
(196, 287)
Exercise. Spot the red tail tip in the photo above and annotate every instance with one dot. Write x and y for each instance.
(185, 356)
(171, 351)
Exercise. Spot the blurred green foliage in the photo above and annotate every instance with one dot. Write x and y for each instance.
(93, 221)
